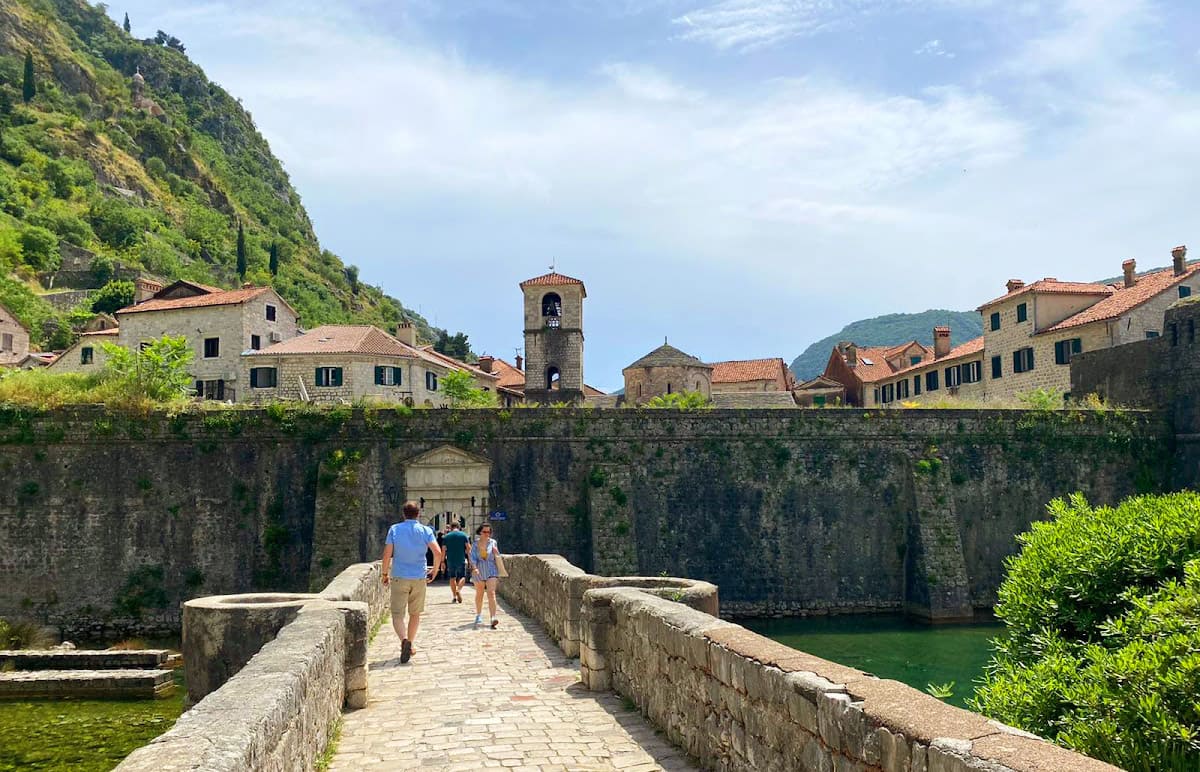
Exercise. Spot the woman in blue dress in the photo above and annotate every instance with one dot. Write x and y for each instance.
(485, 572)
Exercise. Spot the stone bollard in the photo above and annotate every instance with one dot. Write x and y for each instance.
(357, 615)
(595, 627)
(222, 632)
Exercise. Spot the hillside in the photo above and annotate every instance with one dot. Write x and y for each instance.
(887, 329)
(149, 179)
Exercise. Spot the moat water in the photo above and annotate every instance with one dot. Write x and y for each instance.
(895, 647)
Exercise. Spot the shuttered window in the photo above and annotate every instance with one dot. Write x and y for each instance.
(263, 378)
(328, 376)
(388, 376)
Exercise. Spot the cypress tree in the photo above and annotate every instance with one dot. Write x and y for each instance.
(29, 87)
(274, 259)
(126, 23)
(241, 252)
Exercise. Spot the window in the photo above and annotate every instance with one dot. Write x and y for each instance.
(1022, 312)
(902, 389)
(430, 380)
(953, 377)
(668, 387)
(1151, 334)
(328, 376)
(1022, 360)
(887, 394)
(553, 378)
(1063, 350)
(270, 312)
(916, 384)
(819, 400)
(972, 372)
(255, 343)
(212, 348)
(1185, 292)
(995, 320)
(210, 389)
(6, 342)
(876, 396)
(263, 377)
(931, 380)
(388, 376)
(997, 368)
(86, 355)
(914, 360)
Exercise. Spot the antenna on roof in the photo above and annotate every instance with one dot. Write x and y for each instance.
(664, 340)
(552, 261)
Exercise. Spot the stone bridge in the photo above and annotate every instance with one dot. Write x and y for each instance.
(583, 673)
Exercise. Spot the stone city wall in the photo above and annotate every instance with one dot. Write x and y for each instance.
(278, 712)
(789, 512)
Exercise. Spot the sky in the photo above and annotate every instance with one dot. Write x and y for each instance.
(742, 177)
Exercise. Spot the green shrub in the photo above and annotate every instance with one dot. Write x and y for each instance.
(158, 371)
(1042, 399)
(23, 634)
(1102, 651)
(40, 247)
(113, 296)
(680, 400)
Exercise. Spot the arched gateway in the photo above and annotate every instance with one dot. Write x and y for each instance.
(449, 481)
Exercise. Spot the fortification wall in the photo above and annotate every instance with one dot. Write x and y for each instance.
(107, 523)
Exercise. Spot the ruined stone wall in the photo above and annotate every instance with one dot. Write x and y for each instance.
(107, 522)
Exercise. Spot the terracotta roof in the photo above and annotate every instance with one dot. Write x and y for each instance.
(1124, 298)
(873, 360)
(667, 355)
(454, 364)
(1053, 287)
(973, 346)
(341, 339)
(214, 298)
(592, 391)
(510, 377)
(552, 279)
(740, 370)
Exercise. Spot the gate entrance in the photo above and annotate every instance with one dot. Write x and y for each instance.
(449, 482)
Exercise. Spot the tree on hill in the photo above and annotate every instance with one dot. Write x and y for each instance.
(453, 345)
(241, 252)
(125, 24)
(29, 86)
(274, 262)
(113, 296)
(352, 277)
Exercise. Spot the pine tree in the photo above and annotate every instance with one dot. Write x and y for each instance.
(126, 24)
(29, 87)
(274, 264)
(241, 252)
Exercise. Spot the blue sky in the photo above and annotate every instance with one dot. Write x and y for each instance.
(743, 176)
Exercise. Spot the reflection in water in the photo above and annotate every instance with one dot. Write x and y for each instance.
(893, 647)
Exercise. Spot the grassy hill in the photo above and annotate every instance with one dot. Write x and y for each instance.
(889, 329)
(158, 187)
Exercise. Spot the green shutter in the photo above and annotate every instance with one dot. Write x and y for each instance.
(397, 376)
(337, 376)
(317, 377)
(1076, 345)
(378, 375)
(254, 377)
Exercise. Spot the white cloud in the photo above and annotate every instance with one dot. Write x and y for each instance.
(642, 82)
(933, 48)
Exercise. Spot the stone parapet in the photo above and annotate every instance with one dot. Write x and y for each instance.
(551, 590)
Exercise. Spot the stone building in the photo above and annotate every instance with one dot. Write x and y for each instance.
(666, 370)
(218, 325)
(951, 372)
(348, 363)
(85, 355)
(554, 338)
(751, 375)
(859, 369)
(14, 339)
(819, 392)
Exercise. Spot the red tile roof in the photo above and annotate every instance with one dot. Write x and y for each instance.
(973, 346)
(342, 339)
(878, 369)
(452, 363)
(741, 370)
(214, 298)
(510, 377)
(1053, 287)
(1124, 299)
(552, 279)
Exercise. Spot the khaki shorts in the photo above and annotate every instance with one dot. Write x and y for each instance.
(408, 596)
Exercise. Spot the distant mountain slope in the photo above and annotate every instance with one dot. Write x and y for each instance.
(153, 176)
(888, 329)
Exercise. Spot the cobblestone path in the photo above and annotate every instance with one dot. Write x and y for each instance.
(475, 699)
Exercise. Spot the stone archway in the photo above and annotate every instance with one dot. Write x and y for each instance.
(449, 479)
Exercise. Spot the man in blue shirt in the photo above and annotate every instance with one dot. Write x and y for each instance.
(404, 570)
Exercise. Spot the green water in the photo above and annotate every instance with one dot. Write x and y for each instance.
(893, 647)
(81, 735)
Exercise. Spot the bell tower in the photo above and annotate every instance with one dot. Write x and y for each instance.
(553, 338)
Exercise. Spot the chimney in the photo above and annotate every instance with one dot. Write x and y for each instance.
(247, 285)
(1179, 259)
(406, 333)
(1015, 284)
(520, 363)
(941, 342)
(851, 352)
(486, 362)
(144, 289)
(1129, 267)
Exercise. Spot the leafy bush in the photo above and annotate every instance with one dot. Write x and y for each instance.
(118, 224)
(40, 248)
(1042, 399)
(1102, 607)
(113, 296)
(459, 391)
(22, 634)
(680, 400)
(158, 371)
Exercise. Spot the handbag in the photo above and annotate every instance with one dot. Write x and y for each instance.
(501, 571)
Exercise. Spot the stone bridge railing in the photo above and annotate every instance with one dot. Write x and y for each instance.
(735, 700)
(270, 675)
